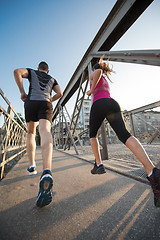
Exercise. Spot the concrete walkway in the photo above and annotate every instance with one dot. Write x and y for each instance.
(108, 206)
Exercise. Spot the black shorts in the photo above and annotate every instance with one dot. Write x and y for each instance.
(36, 110)
(108, 108)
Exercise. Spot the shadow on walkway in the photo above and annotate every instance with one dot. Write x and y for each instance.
(108, 206)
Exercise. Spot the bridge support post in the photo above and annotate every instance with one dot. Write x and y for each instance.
(104, 151)
(132, 124)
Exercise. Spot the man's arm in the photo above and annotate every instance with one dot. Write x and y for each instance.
(18, 75)
(58, 94)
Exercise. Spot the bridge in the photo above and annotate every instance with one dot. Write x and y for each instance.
(116, 205)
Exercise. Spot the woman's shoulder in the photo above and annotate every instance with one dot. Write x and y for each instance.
(98, 71)
(91, 76)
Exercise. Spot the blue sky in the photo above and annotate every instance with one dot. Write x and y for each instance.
(60, 32)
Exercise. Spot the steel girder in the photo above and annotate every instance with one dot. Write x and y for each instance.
(148, 57)
(119, 20)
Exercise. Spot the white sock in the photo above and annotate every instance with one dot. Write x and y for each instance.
(99, 164)
(150, 173)
(32, 166)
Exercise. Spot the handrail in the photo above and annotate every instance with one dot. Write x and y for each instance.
(12, 136)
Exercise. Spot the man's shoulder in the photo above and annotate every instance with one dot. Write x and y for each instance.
(30, 69)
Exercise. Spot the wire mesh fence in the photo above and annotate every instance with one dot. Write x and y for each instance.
(12, 136)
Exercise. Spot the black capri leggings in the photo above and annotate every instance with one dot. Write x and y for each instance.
(108, 108)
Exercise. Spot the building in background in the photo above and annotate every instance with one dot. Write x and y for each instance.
(83, 121)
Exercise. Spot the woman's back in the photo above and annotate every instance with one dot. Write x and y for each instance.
(101, 90)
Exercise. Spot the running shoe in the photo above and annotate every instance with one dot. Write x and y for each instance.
(98, 170)
(32, 170)
(45, 189)
(155, 184)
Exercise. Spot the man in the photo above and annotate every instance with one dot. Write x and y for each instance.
(38, 107)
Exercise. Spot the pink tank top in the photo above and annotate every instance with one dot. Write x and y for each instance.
(101, 90)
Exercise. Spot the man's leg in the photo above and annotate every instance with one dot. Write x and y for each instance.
(31, 145)
(46, 143)
(46, 181)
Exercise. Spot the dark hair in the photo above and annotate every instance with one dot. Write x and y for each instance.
(43, 66)
(96, 66)
(104, 66)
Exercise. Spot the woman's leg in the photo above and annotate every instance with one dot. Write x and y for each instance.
(95, 148)
(97, 115)
(137, 149)
(117, 123)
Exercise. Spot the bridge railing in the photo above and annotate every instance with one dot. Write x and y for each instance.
(142, 122)
(12, 135)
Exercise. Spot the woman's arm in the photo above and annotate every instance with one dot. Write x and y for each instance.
(96, 77)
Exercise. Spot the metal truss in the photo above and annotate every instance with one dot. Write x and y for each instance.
(119, 20)
(70, 123)
(72, 133)
(142, 109)
(77, 109)
(62, 132)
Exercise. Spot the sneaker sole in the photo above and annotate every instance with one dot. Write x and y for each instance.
(158, 203)
(45, 194)
(99, 172)
(33, 173)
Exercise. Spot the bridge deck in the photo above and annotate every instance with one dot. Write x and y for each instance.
(108, 206)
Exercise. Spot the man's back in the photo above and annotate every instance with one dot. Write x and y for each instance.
(41, 85)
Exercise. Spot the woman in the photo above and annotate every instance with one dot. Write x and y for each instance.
(106, 107)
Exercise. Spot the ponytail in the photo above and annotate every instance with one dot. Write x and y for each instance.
(104, 66)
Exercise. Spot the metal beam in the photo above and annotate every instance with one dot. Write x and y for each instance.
(148, 57)
(143, 108)
(119, 20)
